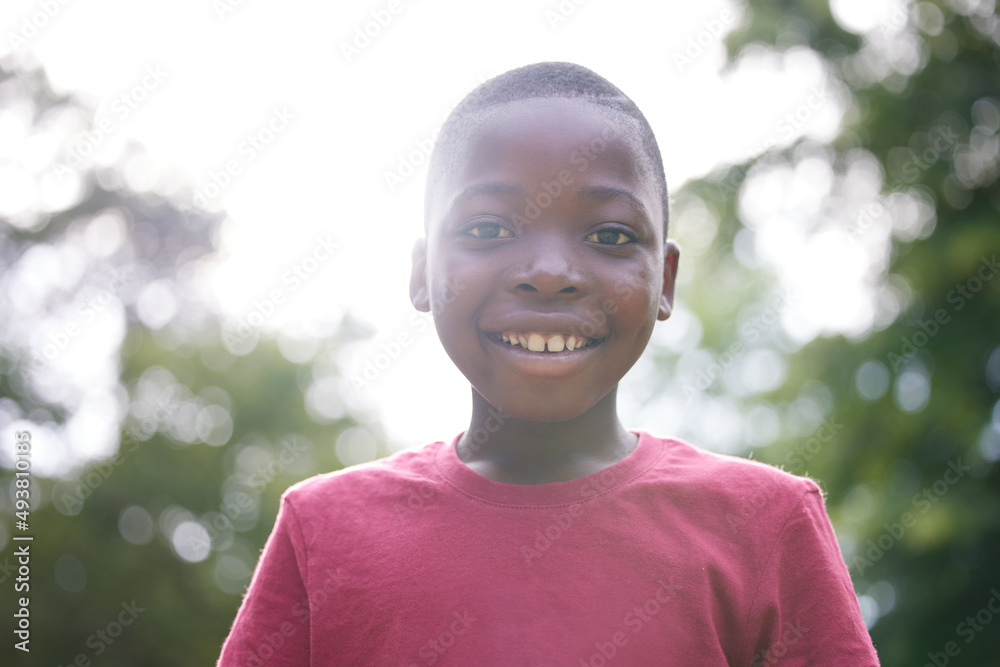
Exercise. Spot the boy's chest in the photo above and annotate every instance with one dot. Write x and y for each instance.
(554, 590)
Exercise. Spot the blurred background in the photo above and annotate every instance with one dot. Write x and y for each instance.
(206, 213)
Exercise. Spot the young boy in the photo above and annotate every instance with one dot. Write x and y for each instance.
(548, 534)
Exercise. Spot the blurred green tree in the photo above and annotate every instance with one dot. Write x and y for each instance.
(896, 415)
(160, 525)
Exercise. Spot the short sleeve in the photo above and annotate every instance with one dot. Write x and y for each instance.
(272, 625)
(805, 609)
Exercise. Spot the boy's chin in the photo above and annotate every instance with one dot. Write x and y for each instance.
(542, 410)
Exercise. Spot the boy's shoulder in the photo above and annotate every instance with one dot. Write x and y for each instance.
(729, 471)
(674, 466)
(736, 488)
(366, 478)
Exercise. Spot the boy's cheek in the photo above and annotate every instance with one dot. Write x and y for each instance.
(446, 293)
(452, 289)
(623, 289)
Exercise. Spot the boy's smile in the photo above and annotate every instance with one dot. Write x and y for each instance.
(545, 264)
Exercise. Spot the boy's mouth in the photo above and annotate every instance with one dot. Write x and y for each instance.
(541, 342)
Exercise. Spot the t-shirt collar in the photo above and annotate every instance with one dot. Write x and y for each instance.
(482, 488)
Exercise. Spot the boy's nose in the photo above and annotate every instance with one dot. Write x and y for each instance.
(549, 272)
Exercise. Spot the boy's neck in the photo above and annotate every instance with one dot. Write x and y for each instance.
(513, 451)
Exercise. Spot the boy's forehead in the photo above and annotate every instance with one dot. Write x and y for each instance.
(569, 132)
(557, 126)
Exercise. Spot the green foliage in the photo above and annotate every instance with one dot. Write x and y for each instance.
(899, 424)
(104, 532)
(888, 456)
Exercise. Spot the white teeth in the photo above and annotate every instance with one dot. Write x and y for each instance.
(537, 342)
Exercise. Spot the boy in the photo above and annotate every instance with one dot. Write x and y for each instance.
(548, 534)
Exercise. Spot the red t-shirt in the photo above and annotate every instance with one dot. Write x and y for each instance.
(672, 556)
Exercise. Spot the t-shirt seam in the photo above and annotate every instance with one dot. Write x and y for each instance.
(770, 555)
(294, 519)
(591, 498)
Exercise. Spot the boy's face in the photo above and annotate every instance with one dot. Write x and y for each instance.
(549, 234)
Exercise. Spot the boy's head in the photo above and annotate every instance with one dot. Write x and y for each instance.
(541, 81)
(545, 262)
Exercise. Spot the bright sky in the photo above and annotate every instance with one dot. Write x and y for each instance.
(199, 81)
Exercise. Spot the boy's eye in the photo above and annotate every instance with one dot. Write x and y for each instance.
(490, 230)
(609, 237)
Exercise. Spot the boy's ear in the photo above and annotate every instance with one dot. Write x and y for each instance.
(671, 256)
(419, 295)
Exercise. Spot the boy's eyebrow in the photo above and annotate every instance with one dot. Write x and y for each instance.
(486, 188)
(596, 192)
(606, 193)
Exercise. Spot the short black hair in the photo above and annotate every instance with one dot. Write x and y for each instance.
(540, 81)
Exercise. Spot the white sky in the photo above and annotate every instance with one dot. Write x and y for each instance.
(224, 77)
